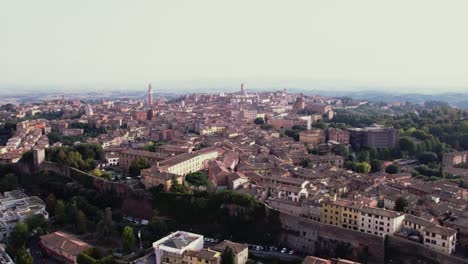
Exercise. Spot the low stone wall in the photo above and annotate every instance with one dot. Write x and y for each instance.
(305, 235)
(86, 179)
(401, 250)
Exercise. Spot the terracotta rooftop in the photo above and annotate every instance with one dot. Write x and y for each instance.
(440, 230)
(315, 260)
(65, 242)
(236, 247)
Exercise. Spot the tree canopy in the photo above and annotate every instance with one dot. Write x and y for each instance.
(259, 121)
(393, 168)
(137, 165)
(227, 256)
(128, 239)
(400, 204)
(197, 179)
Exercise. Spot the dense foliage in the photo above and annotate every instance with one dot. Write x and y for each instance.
(222, 214)
(137, 165)
(197, 179)
(81, 156)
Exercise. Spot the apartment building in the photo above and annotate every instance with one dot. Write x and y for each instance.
(442, 239)
(287, 188)
(177, 167)
(338, 135)
(16, 206)
(376, 137)
(454, 158)
(153, 176)
(189, 162)
(344, 213)
(286, 122)
(415, 223)
(332, 211)
(126, 157)
(379, 221)
(312, 137)
(112, 158)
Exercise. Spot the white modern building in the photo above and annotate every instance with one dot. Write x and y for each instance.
(171, 249)
(4, 257)
(16, 206)
(379, 221)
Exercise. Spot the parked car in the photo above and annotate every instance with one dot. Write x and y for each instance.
(283, 250)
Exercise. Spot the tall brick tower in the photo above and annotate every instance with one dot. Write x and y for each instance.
(150, 95)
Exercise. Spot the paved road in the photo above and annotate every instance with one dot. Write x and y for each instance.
(274, 255)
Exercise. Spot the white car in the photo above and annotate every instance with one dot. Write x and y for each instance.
(291, 252)
(283, 250)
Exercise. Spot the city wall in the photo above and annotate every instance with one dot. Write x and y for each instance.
(406, 251)
(305, 235)
(87, 179)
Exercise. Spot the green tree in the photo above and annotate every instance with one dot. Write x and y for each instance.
(106, 227)
(84, 258)
(137, 165)
(227, 256)
(81, 222)
(393, 168)
(259, 121)
(407, 144)
(96, 172)
(61, 156)
(9, 182)
(23, 257)
(128, 238)
(50, 202)
(18, 238)
(197, 179)
(157, 228)
(36, 222)
(364, 156)
(376, 165)
(400, 204)
(106, 175)
(427, 157)
(59, 213)
(362, 167)
(176, 187)
(305, 162)
(71, 211)
(341, 150)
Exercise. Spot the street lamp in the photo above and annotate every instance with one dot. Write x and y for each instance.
(139, 236)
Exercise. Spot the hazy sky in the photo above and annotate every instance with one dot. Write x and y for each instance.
(113, 43)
